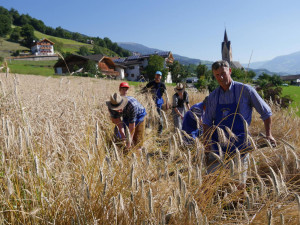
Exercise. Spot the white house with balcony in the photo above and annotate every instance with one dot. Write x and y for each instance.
(43, 47)
(135, 64)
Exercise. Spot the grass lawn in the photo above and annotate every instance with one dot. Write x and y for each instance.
(40, 35)
(294, 92)
(44, 68)
(6, 47)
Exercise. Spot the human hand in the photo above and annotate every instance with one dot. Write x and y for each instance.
(272, 140)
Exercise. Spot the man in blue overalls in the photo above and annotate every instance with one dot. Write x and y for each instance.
(158, 89)
(229, 106)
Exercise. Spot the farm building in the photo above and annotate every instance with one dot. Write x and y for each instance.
(105, 65)
(43, 47)
(135, 64)
(294, 79)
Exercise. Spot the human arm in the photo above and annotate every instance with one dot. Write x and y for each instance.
(268, 126)
(131, 130)
(187, 101)
(119, 124)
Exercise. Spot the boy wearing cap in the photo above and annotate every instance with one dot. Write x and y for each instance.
(180, 99)
(158, 89)
(123, 88)
(133, 114)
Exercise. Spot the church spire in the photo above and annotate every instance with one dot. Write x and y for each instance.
(226, 49)
(225, 37)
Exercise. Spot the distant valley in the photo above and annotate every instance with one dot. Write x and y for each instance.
(281, 65)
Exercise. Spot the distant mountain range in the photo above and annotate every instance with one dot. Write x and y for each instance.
(285, 64)
(142, 49)
(280, 65)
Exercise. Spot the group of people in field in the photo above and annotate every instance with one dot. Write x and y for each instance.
(225, 114)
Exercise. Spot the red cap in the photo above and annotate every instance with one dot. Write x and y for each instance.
(124, 84)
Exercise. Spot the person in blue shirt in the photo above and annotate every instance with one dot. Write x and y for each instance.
(192, 120)
(229, 107)
(158, 89)
(133, 114)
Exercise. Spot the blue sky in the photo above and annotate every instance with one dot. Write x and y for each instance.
(192, 28)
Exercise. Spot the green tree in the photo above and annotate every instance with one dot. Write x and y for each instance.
(38, 25)
(83, 50)
(14, 14)
(5, 25)
(27, 32)
(201, 70)
(155, 63)
(97, 49)
(15, 34)
(175, 70)
(90, 67)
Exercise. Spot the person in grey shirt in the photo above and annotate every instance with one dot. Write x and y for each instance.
(228, 107)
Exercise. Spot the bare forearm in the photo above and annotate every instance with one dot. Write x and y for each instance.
(131, 129)
(268, 125)
(268, 128)
(119, 124)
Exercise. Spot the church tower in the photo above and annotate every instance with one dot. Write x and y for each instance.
(226, 49)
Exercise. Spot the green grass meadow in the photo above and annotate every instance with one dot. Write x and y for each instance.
(44, 68)
(294, 92)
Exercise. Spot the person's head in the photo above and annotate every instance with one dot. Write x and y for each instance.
(123, 88)
(158, 76)
(117, 102)
(179, 88)
(222, 73)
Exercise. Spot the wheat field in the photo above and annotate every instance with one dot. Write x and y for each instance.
(59, 164)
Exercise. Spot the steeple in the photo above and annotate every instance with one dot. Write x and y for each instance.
(225, 37)
(226, 49)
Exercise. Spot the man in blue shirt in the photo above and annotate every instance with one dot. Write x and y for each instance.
(158, 88)
(229, 106)
(133, 114)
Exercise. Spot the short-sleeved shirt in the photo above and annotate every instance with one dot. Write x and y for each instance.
(133, 112)
(157, 90)
(178, 102)
(249, 98)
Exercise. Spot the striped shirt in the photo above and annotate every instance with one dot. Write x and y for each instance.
(249, 99)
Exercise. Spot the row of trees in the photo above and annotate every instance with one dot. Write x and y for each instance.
(12, 16)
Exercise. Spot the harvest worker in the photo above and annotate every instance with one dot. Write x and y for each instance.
(230, 105)
(180, 99)
(133, 114)
(123, 88)
(158, 89)
(192, 120)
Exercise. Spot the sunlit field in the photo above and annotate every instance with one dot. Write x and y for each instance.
(60, 165)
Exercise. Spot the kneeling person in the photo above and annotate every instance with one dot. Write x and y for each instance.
(192, 120)
(133, 114)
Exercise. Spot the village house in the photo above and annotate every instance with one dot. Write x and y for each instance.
(43, 47)
(104, 64)
(294, 79)
(135, 64)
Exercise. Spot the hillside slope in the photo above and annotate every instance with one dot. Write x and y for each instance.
(142, 49)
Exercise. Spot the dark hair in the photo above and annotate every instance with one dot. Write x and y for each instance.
(221, 63)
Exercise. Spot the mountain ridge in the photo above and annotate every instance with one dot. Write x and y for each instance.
(281, 65)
